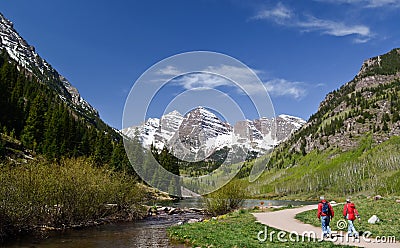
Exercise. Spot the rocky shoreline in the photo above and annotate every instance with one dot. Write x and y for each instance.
(187, 215)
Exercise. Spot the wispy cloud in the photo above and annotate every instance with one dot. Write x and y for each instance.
(382, 3)
(282, 87)
(333, 28)
(366, 3)
(283, 16)
(169, 71)
(244, 81)
(201, 80)
(279, 13)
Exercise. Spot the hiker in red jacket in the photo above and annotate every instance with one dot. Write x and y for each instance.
(325, 214)
(350, 213)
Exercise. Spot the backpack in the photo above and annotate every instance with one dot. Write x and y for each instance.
(325, 208)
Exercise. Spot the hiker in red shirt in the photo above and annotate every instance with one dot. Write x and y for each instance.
(325, 214)
(350, 213)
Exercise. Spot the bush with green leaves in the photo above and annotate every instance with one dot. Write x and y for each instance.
(65, 194)
(226, 199)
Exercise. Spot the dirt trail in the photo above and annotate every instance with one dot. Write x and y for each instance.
(285, 220)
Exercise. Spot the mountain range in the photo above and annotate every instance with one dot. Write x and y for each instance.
(201, 130)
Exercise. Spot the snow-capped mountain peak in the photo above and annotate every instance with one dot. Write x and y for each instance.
(296, 121)
(201, 132)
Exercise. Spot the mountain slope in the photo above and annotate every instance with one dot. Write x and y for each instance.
(368, 103)
(26, 57)
(41, 111)
(351, 145)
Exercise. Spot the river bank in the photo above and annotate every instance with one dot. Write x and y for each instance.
(39, 196)
(147, 232)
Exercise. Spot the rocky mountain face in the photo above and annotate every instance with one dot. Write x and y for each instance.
(28, 59)
(201, 132)
(367, 105)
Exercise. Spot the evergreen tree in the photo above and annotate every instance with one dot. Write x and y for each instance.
(33, 131)
(385, 127)
(395, 117)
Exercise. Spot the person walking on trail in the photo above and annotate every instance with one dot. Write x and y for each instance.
(350, 213)
(325, 214)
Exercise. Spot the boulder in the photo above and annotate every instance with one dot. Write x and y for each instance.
(162, 209)
(173, 211)
(373, 220)
(197, 210)
(193, 221)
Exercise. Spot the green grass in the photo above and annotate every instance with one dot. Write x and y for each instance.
(369, 169)
(386, 209)
(237, 229)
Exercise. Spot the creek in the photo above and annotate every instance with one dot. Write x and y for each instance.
(149, 232)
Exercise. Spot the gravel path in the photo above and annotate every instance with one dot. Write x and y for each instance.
(285, 220)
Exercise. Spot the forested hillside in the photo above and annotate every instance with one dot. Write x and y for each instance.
(350, 145)
(32, 112)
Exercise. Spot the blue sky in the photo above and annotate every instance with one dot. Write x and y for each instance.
(301, 50)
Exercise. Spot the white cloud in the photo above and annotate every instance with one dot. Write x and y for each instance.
(278, 14)
(382, 3)
(169, 71)
(201, 80)
(333, 28)
(240, 74)
(366, 3)
(245, 82)
(282, 87)
(307, 23)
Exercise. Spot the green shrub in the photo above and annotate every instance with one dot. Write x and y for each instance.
(2, 148)
(226, 199)
(58, 195)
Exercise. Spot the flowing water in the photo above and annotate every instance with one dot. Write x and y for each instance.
(150, 232)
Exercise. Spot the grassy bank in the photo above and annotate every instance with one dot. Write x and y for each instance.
(41, 195)
(237, 229)
(386, 209)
